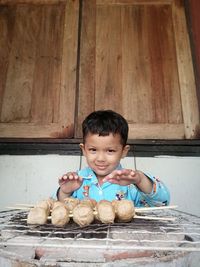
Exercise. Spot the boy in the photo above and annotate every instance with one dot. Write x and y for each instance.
(105, 134)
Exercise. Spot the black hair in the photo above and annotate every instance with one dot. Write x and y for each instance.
(104, 122)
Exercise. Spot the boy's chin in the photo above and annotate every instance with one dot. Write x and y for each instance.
(101, 174)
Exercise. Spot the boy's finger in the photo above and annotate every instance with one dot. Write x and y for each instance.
(132, 172)
(62, 181)
(63, 177)
(71, 177)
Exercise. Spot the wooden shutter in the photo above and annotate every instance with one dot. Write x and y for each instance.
(135, 59)
(38, 55)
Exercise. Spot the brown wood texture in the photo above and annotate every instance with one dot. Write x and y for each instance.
(149, 66)
(108, 93)
(188, 91)
(143, 67)
(134, 58)
(38, 84)
(86, 84)
(34, 2)
(194, 24)
(7, 18)
(130, 2)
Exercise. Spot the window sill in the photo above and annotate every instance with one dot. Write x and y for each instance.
(139, 148)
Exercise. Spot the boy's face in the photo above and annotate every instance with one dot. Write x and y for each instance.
(103, 153)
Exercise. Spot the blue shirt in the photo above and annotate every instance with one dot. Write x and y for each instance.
(91, 188)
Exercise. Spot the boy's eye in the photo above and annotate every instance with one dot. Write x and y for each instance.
(92, 149)
(111, 151)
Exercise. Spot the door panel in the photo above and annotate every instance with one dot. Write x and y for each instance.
(141, 67)
(39, 55)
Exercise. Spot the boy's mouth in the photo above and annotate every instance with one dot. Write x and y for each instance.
(101, 167)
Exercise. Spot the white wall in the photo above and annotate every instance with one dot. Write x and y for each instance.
(181, 175)
(28, 179)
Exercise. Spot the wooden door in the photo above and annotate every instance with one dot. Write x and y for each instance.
(38, 56)
(135, 59)
(194, 23)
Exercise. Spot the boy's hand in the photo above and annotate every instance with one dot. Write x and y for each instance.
(123, 177)
(69, 182)
(127, 177)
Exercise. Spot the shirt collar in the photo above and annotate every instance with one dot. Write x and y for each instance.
(94, 179)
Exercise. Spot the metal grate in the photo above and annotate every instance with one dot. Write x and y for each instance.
(156, 237)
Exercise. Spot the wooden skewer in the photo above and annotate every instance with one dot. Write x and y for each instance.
(18, 208)
(154, 218)
(137, 210)
(21, 207)
(140, 217)
(135, 217)
(25, 205)
(140, 210)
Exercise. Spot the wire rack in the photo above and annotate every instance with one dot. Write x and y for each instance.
(181, 235)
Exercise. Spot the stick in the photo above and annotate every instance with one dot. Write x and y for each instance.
(154, 218)
(137, 210)
(135, 217)
(18, 208)
(21, 206)
(25, 205)
(140, 210)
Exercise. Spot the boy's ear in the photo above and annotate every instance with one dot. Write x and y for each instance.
(82, 147)
(125, 151)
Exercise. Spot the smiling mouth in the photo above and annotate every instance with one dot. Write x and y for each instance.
(101, 167)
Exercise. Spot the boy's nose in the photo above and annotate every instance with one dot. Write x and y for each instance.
(100, 157)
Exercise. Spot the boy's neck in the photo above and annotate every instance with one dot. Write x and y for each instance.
(100, 180)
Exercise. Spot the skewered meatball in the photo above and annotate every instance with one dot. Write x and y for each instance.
(124, 210)
(83, 215)
(50, 202)
(71, 202)
(89, 201)
(37, 215)
(105, 211)
(60, 216)
(45, 205)
(58, 204)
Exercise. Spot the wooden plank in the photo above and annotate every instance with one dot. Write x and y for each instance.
(35, 2)
(69, 64)
(133, 2)
(166, 100)
(7, 17)
(98, 2)
(137, 93)
(136, 69)
(86, 82)
(18, 88)
(156, 131)
(150, 77)
(43, 76)
(186, 74)
(33, 130)
(193, 19)
(47, 73)
(108, 92)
